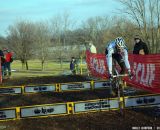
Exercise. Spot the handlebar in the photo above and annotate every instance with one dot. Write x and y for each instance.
(120, 75)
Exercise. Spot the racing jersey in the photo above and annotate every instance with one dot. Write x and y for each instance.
(111, 49)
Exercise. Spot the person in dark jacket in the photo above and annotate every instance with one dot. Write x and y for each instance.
(140, 47)
(73, 65)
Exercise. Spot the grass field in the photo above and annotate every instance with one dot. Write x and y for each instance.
(51, 68)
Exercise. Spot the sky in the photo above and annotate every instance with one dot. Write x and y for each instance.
(41, 10)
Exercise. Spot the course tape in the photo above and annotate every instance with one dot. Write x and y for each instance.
(58, 109)
(59, 87)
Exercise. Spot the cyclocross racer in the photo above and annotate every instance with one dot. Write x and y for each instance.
(118, 51)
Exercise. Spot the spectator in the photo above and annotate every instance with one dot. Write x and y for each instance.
(8, 61)
(92, 48)
(2, 62)
(140, 47)
(73, 65)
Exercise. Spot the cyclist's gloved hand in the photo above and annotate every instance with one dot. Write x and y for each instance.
(130, 74)
(110, 77)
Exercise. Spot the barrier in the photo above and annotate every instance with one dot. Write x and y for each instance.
(8, 114)
(39, 88)
(0, 71)
(141, 101)
(59, 109)
(101, 84)
(95, 105)
(43, 110)
(75, 86)
(11, 90)
(60, 87)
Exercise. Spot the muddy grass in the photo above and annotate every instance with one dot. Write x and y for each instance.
(91, 121)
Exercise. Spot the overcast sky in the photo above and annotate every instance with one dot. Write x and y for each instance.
(37, 10)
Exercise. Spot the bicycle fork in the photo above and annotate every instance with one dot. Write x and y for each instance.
(120, 100)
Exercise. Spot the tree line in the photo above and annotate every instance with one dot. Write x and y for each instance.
(41, 40)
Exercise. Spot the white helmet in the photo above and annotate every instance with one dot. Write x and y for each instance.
(120, 42)
(90, 43)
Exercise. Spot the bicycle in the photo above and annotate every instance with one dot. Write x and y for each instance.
(117, 86)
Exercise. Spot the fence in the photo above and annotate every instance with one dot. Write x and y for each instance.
(0, 71)
(58, 87)
(68, 108)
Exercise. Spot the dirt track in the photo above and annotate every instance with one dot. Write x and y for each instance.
(91, 121)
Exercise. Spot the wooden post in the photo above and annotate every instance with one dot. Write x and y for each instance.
(81, 66)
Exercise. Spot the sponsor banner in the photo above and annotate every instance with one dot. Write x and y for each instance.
(7, 114)
(114, 103)
(75, 86)
(142, 101)
(101, 84)
(34, 89)
(145, 69)
(43, 110)
(94, 105)
(96, 64)
(146, 72)
(16, 90)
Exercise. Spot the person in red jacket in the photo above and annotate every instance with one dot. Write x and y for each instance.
(8, 61)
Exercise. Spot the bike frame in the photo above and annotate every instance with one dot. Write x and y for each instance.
(117, 83)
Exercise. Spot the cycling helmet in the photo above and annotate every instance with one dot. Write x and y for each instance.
(120, 42)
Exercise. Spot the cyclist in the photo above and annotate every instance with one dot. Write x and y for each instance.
(118, 51)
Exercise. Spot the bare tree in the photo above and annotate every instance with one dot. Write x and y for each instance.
(146, 14)
(3, 42)
(42, 42)
(122, 27)
(60, 25)
(95, 28)
(21, 38)
(56, 30)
